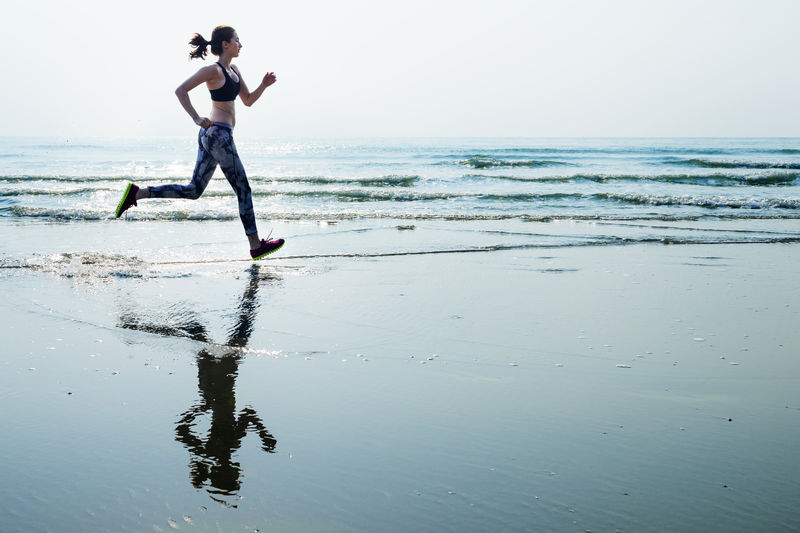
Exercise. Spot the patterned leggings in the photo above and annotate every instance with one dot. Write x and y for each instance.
(215, 147)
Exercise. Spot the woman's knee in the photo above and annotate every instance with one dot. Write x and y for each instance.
(192, 193)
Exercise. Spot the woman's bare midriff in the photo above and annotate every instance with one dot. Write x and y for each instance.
(223, 112)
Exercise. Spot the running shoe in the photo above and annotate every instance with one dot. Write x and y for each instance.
(266, 248)
(128, 199)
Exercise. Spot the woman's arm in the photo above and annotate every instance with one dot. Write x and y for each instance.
(249, 98)
(182, 92)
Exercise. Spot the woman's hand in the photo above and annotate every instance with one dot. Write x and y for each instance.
(203, 122)
(269, 79)
(249, 98)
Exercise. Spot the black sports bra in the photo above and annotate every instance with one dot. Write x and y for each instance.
(227, 92)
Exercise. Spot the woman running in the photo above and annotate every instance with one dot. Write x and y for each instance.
(215, 140)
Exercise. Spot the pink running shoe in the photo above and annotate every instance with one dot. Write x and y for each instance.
(128, 199)
(266, 248)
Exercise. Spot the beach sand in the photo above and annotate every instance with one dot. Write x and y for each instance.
(149, 385)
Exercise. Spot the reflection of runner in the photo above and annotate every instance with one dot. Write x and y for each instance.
(212, 454)
(215, 140)
(212, 458)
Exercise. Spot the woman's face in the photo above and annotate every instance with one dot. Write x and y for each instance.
(233, 46)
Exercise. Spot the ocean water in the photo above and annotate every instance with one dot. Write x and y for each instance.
(669, 190)
(459, 335)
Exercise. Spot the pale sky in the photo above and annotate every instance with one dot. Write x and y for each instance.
(411, 68)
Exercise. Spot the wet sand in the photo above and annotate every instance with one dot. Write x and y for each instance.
(638, 388)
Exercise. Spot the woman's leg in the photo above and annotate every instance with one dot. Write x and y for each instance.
(203, 171)
(223, 150)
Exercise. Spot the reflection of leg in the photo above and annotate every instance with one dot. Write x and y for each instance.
(227, 156)
(203, 170)
(240, 333)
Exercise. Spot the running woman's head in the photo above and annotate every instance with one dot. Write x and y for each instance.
(221, 38)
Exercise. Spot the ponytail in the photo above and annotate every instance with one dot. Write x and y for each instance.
(220, 33)
(200, 47)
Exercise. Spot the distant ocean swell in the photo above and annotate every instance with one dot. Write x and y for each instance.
(711, 163)
(647, 150)
(487, 162)
(711, 180)
(490, 162)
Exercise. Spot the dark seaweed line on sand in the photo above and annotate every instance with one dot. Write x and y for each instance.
(616, 241)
